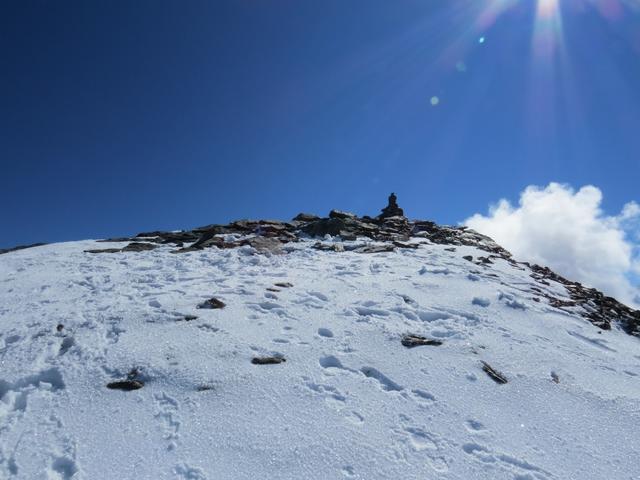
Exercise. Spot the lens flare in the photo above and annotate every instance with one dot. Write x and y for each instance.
(547, 36)
(547, 9)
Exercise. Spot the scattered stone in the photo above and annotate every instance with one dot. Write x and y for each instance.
(411, 341)
(555, 378)
(138, 247)
(330, 247)
(468, 258)
(494, 374)
(205, 388)
(190, 318)
(211, 304)
(126, 385)
(450, 249)
(414, 246)
(267, 360)
(104, 250)
(375, 248)
(271, 289)
(283, 284)
(59, 327)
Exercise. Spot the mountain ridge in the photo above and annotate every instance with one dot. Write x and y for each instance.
(333, 347)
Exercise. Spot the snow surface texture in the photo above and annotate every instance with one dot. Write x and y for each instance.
(349, 402)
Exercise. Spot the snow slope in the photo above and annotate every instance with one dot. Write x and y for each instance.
(349, 402)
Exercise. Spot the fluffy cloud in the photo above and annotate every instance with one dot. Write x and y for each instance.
(567, 231)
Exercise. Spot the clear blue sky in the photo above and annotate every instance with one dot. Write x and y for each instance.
(123, 116)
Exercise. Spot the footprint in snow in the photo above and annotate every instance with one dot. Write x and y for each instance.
(423, 442)
(385, 382)
(423, 396)
(481, 301)
(189, 473)
(325, 332)
(332, 396)
(167, 409)
(474, 426)
(520, 467)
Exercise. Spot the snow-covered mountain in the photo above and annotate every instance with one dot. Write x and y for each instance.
(342, 347)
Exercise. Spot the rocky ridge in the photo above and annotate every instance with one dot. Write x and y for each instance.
(384, 233)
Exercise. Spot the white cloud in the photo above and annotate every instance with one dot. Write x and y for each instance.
(567, 231)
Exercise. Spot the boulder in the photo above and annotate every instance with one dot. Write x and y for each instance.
(305, 217)
(341, 214)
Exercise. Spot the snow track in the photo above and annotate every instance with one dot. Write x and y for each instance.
(349, 402)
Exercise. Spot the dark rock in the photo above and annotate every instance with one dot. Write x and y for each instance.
(20, 247)
(329, 247)
(153, 234)
(190, 318)
(114, 240)
(126, 385)
(495, 375)
(468, 258)
(375, 248)
(244, 225)
(138, 247)
(325, 226)
(341, 214)
(59, 327)
(348, 237)
(271, 230)
(267, 360)
(411, 341)
(212, 303)
(283, 284)
(205, 388)
(132, 247)
(266, 245)
(178, 237)
(305, 217)
(406, 245)
(450, 249)
(392, 209)
(104, 250)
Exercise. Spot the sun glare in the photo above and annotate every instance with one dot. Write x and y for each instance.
(547, 37)
(548, 9)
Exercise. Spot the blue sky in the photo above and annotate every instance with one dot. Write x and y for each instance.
(118, 117)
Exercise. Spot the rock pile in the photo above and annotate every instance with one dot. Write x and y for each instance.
(392, 209)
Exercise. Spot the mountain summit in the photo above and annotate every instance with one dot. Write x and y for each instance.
(323, 347)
